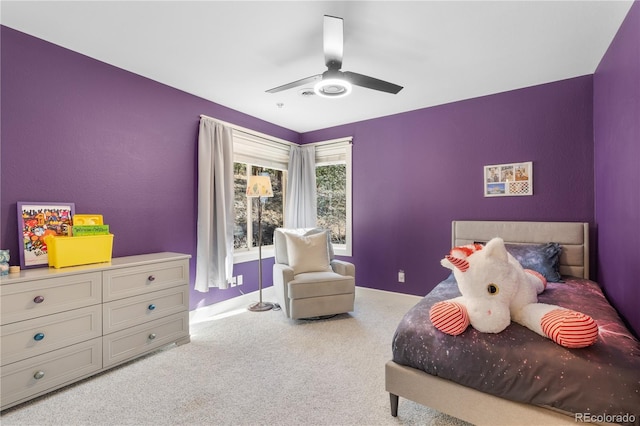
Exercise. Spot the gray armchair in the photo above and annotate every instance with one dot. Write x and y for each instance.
(308, 280)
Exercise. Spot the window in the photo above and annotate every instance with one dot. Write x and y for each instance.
(254, 154)
(245, 233)
(332, 200)
(240, 206)
(333, 180)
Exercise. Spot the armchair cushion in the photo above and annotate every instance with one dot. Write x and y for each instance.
(308, 253)
(318, 284)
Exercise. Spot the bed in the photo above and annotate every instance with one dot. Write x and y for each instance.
(516, 376)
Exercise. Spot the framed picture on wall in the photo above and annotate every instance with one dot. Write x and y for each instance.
(36, 220)
(502, 180)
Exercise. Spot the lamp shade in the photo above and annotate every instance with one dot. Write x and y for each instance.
(259, 186)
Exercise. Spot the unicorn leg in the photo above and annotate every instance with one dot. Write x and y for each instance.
(537, 279)
(566, 327)
(449, 317)
(570, 329)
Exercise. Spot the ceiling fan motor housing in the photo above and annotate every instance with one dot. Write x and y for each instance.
(333, 84)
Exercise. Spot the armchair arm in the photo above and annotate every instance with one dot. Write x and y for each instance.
(282, 274)
(343, 268)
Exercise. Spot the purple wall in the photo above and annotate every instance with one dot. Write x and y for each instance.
(617, 175)
(413, 173)
(76, 129)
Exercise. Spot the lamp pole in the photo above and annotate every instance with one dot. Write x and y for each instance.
(259, 192)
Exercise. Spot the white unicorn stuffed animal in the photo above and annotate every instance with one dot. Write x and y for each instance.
(496, 289)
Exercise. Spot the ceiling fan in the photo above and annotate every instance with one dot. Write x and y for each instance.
(334, 83)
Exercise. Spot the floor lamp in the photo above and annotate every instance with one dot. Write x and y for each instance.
(259, 187)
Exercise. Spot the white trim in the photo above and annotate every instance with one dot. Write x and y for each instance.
(240, 303)
(340, 152)
(349, 189)
(246, 255)
(228, 307)
(387, 293)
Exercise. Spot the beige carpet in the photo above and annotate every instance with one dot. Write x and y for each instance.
(248, 368)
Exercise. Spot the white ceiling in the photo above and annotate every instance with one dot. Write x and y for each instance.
(231, 52)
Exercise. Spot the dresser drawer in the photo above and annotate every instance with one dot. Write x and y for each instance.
(124, 313)
(126, 282)
(123, 345)
(57, 368)
(27, 300)
(26, 339)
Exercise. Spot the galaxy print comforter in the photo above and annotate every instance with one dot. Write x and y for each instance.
(520, 365)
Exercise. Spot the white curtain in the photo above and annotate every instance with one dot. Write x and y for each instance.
(214, 255)
(301, 210)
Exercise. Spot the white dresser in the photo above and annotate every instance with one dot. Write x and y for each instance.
(58, 326)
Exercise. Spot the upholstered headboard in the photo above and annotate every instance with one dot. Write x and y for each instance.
(572, 236)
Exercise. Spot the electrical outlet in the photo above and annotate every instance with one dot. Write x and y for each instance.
(233, 281)
(400, 276)
(239, 279)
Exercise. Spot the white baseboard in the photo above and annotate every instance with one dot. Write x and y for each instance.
(235, 304)
(231, 305)
(387, 292)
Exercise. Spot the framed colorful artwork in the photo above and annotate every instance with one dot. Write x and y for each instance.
(36, 220)
(501, 180)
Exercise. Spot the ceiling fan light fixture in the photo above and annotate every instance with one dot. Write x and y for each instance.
(333, 88)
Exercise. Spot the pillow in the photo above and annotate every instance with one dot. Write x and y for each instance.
(308, 253)
(542, 258)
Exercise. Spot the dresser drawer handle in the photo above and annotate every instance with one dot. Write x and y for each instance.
(151, 307)
(151, 278)
(152, 336)
(39, 375)
(38, 299)
(38, 337)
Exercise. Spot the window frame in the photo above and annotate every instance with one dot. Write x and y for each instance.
(261, 150)
(251, 253)
(339, 151)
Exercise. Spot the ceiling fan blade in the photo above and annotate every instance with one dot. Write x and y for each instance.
(333, 41)
(372, 83)
(295, 83)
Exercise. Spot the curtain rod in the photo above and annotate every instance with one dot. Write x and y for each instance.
(273, 138)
